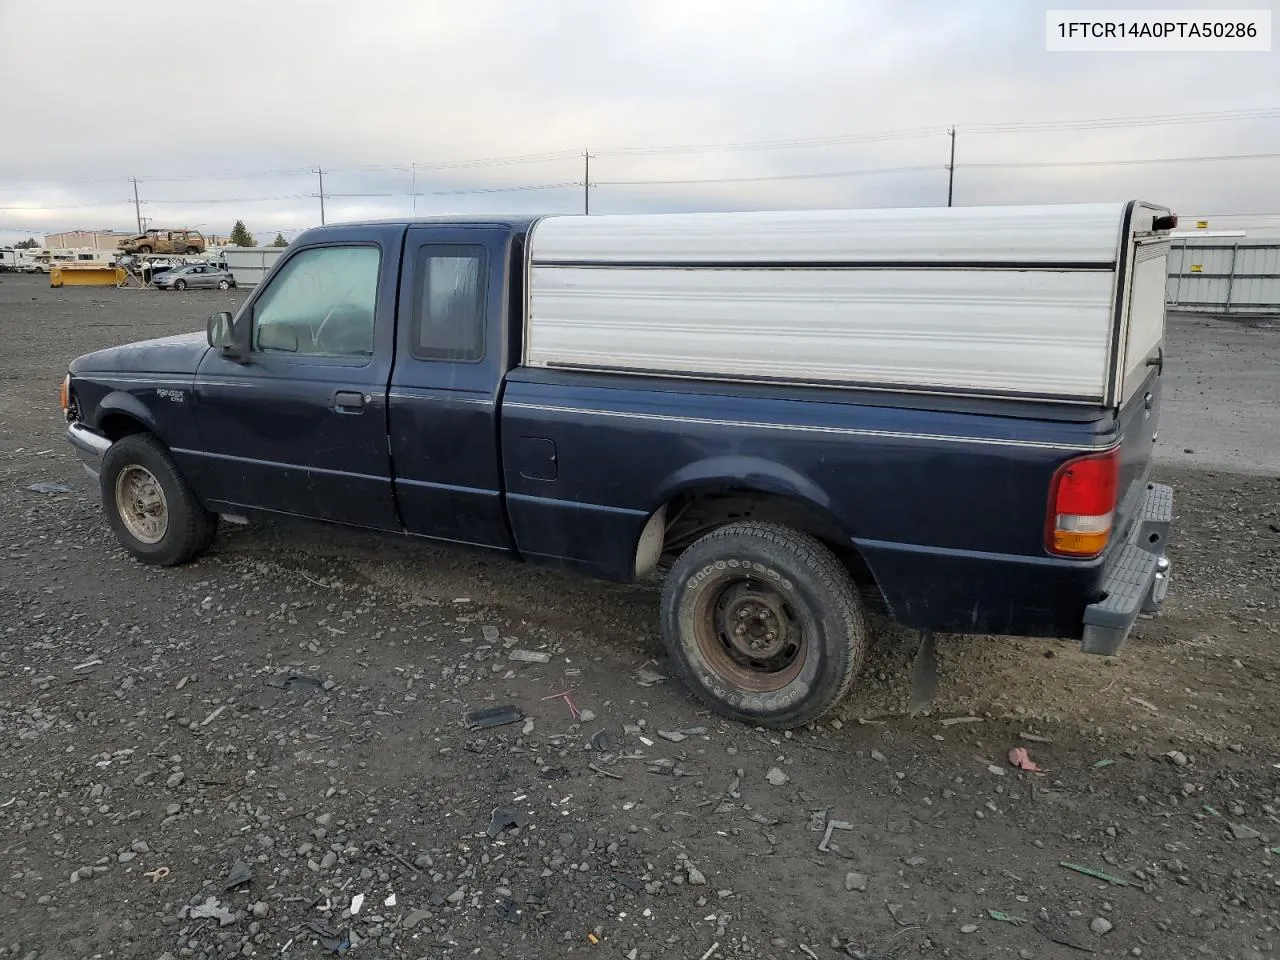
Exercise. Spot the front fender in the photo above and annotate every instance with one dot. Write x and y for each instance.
(120, 402)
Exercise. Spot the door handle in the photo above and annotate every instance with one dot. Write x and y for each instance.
(348, 401)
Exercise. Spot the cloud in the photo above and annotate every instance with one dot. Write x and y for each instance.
(364, 90)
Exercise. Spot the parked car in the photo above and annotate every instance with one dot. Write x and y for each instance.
(195, 275)
(948, 411)
(165, 241)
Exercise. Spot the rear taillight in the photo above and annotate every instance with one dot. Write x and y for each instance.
(1082, 505)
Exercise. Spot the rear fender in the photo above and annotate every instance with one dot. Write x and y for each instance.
(745, 472)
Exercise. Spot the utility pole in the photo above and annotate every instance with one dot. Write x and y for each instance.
(137, 207)
(951, 167)
(586, 183)
(413, 167)
(321, 175)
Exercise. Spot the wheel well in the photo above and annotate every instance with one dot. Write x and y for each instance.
(695, 513)
(117, 426)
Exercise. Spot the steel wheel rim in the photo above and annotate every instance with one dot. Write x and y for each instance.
(141, 504)
(751, 635)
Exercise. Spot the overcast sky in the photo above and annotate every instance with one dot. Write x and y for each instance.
(92, 94)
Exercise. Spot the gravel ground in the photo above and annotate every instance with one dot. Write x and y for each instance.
(265, 753)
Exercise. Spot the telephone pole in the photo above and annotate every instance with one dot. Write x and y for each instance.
(320, 173)
(586, 183)
(951, 167)
(137, 207)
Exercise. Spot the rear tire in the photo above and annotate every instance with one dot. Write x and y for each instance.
(763, 624)
(192, 251)
(154, 512)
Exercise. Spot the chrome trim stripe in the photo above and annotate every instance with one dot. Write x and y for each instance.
(428, 394)
(836, 431)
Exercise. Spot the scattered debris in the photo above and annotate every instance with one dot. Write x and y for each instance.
(878, 757)
(214, 715)
(776, 777)
(1006, 917)
(1097, 874)
(156, 875)
(969, 928)
(1241, 832)
(1035, 738)
(390, 901)
(696, 877)
(1018, 757)
(214, 910)
(1145, 703)
(855, 882)
(710, 952)
(44, 486)
(294, 681)
(647, 677)
(529, 656)
(1211, 811)
(675, 736)
(594, 768)
(825, 845)
(356, 903)
(952, 721)
(1058, 932)
(1101, 926)
(996, 770)
(1104, 762)
(240, 874)
(88, 664)
(601, 742)
(567, 697)
(415, 918)
(335, 941)
(503, 818)
(1177, 758)
(498, 716)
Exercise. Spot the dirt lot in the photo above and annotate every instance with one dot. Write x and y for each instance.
(155, 746)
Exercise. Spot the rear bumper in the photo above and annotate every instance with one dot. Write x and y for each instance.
(90, 447)
(1136, 576)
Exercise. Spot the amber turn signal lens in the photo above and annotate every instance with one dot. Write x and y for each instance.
(64, 393)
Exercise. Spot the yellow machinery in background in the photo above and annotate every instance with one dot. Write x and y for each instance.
(86, 275)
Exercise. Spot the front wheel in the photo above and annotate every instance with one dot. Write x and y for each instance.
(144, 249)
(763, 624)
(179, 284)
(152, 509)
(224, 285)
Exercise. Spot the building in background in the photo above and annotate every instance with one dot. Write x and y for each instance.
(85, 240)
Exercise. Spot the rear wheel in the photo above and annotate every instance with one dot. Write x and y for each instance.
(152, 509)
(192, 250)
(763, 623)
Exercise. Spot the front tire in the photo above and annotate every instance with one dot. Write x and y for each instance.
(224, 285)
(179, 284)
(763, 624)
(152, 509)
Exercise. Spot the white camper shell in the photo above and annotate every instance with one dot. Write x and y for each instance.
(1052, 303)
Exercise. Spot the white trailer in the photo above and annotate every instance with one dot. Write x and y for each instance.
(1060, 303)
(250, 264)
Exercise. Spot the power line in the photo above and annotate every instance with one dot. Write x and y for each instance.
(780, 176)
(1120, 163)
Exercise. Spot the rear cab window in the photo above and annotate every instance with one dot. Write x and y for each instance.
(448, 317)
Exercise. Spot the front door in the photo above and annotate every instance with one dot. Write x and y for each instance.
(300, 427)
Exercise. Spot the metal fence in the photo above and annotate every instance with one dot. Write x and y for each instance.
(1224, 276)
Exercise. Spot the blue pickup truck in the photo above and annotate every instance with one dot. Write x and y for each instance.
(782, 415)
